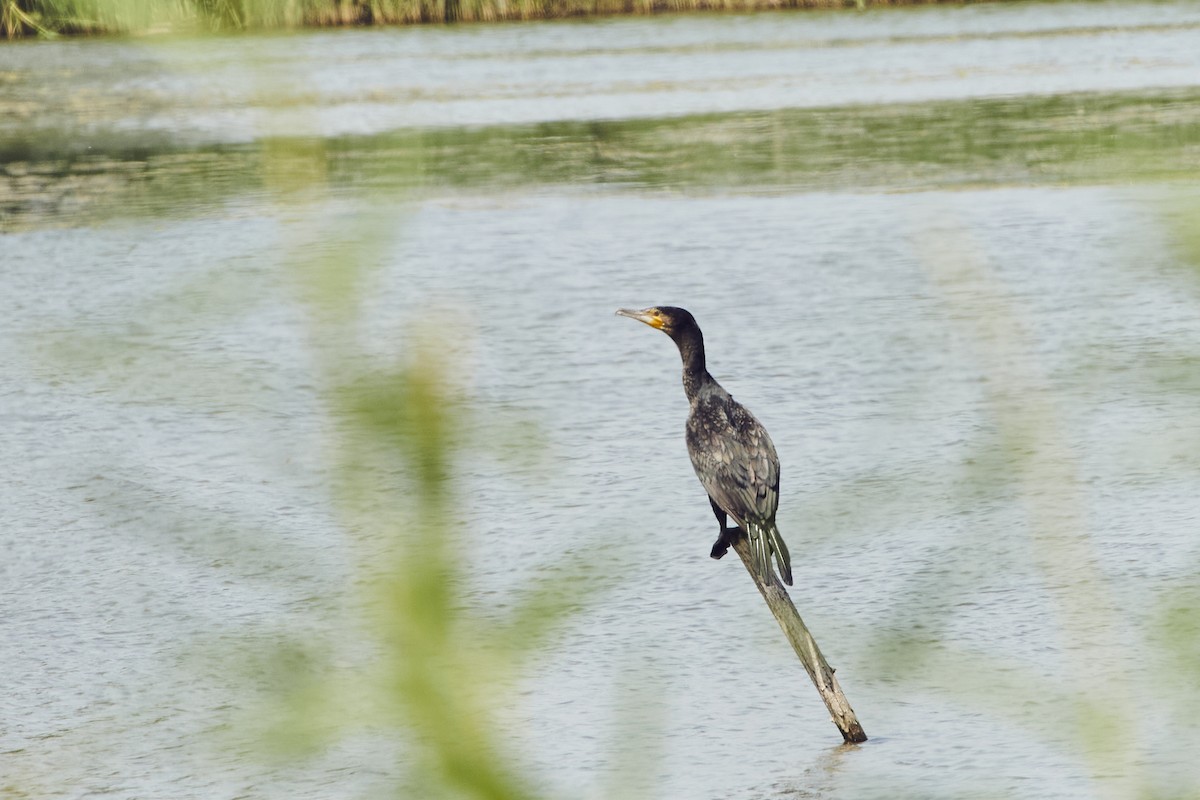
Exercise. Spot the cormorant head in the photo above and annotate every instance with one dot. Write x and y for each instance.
(668, 319)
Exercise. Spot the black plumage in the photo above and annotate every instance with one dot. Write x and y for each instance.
(731, 452)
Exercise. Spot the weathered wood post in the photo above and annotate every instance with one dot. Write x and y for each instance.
(806, 648)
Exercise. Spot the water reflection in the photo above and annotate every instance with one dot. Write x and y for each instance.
(1072, 139)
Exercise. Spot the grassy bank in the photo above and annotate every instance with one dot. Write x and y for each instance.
(20, 18)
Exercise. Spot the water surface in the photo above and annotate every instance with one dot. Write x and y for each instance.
(962, 311)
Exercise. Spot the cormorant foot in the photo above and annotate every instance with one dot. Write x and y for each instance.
(721, 545)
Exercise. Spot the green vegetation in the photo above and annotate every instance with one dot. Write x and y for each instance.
(51, 17)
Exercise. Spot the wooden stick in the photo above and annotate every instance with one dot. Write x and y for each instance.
(806, 648)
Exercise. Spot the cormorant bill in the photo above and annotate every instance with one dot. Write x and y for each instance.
(731, 452)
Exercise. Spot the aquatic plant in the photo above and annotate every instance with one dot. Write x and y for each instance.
(50, 17)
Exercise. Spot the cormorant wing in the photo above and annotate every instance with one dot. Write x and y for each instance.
(734, 458)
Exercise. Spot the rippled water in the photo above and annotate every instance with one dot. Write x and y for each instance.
(976, 357)
(367, 81)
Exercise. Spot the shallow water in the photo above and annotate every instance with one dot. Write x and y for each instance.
(976, 358)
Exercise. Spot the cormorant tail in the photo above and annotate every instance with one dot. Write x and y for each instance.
(765, 540)
(782, 557)
(760, 550)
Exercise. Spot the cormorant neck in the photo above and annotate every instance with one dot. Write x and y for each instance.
(691, 349)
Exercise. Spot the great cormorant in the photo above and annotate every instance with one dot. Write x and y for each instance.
(731, 452)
